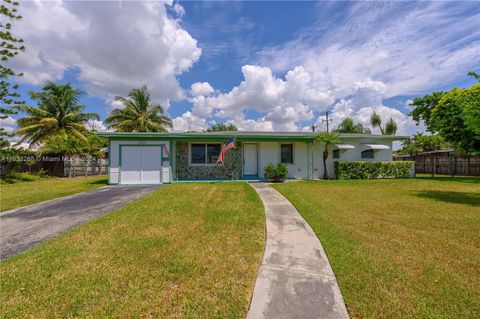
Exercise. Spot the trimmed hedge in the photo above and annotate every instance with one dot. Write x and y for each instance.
(366, 170)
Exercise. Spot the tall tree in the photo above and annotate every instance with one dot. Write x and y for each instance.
(58, 111)
(474, 75)
(457, 118)
(419, 143)
(424, 107)
(326, 139)
(348, 126)
(222, 128)
(455, 115)
(390, 127)
(138, 114)
(10, 46)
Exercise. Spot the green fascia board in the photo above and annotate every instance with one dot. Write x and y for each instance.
(239, 136)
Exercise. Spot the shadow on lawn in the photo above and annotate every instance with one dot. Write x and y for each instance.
(468, 180)
(467, 198)
(103, 181)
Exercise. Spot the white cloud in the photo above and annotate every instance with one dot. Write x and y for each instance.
(115, 46)
(385, 50)
(201, 88)
(411, 47)
(285, 102)
(189, 122)
(96, 125)
(361, 105)
(179, 10)
(408, 105)
(9, 124)
(253, 125)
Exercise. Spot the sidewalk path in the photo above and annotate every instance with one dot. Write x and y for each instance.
(295, 279)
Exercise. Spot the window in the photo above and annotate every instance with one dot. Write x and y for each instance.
(336, 154)
(204, 153)
(367, 154)
(286, 153)
(213, 150)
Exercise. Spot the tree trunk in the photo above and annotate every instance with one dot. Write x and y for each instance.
(325, 155)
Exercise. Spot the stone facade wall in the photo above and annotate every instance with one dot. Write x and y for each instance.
(230, 169)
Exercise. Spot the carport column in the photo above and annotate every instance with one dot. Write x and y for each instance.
(310, 160)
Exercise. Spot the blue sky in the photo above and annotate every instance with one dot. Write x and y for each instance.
(261, 65)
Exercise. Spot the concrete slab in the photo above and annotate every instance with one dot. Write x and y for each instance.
(22, 228)
(295, 279)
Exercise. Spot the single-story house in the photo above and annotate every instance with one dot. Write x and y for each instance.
(157, 158)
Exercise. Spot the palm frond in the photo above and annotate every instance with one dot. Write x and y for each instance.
(32, 111)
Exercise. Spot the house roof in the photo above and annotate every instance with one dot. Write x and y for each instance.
(242, 136)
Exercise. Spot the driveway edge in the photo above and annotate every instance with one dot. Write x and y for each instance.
(14, 210)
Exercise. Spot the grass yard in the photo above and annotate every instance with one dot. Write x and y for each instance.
(21, 194)
(185, 251)
(399, 248)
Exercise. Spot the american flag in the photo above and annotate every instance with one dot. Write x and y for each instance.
(230, 144)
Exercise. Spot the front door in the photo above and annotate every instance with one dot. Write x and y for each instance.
(250, 159)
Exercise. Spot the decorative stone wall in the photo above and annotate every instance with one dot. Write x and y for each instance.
(230, 169)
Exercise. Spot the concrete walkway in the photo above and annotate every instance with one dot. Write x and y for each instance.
(25, 227)
(295, 279)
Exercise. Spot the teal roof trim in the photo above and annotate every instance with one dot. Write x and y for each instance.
(307, 137)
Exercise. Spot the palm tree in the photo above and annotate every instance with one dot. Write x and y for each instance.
(326, 139)
(138, 114)
(390, 128)
(58, 110)
(348, 126)
(376, 121)
(62, 144)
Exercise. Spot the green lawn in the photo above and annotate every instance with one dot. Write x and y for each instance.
(20, 194)
(399, 248)
(185, 251)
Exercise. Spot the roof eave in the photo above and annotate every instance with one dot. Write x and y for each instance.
(240, 136)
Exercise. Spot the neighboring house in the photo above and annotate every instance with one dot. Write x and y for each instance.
(156, 158)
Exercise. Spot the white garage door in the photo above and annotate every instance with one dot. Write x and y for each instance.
(140, 165)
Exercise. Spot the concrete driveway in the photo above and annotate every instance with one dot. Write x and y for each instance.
(25, 227)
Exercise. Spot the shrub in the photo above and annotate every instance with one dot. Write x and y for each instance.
(14, 177)
(276, 173)
(42, 173)
(366, 170)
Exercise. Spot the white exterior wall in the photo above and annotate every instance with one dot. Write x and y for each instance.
(269, 152)
(114, 154)
(349, 155)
